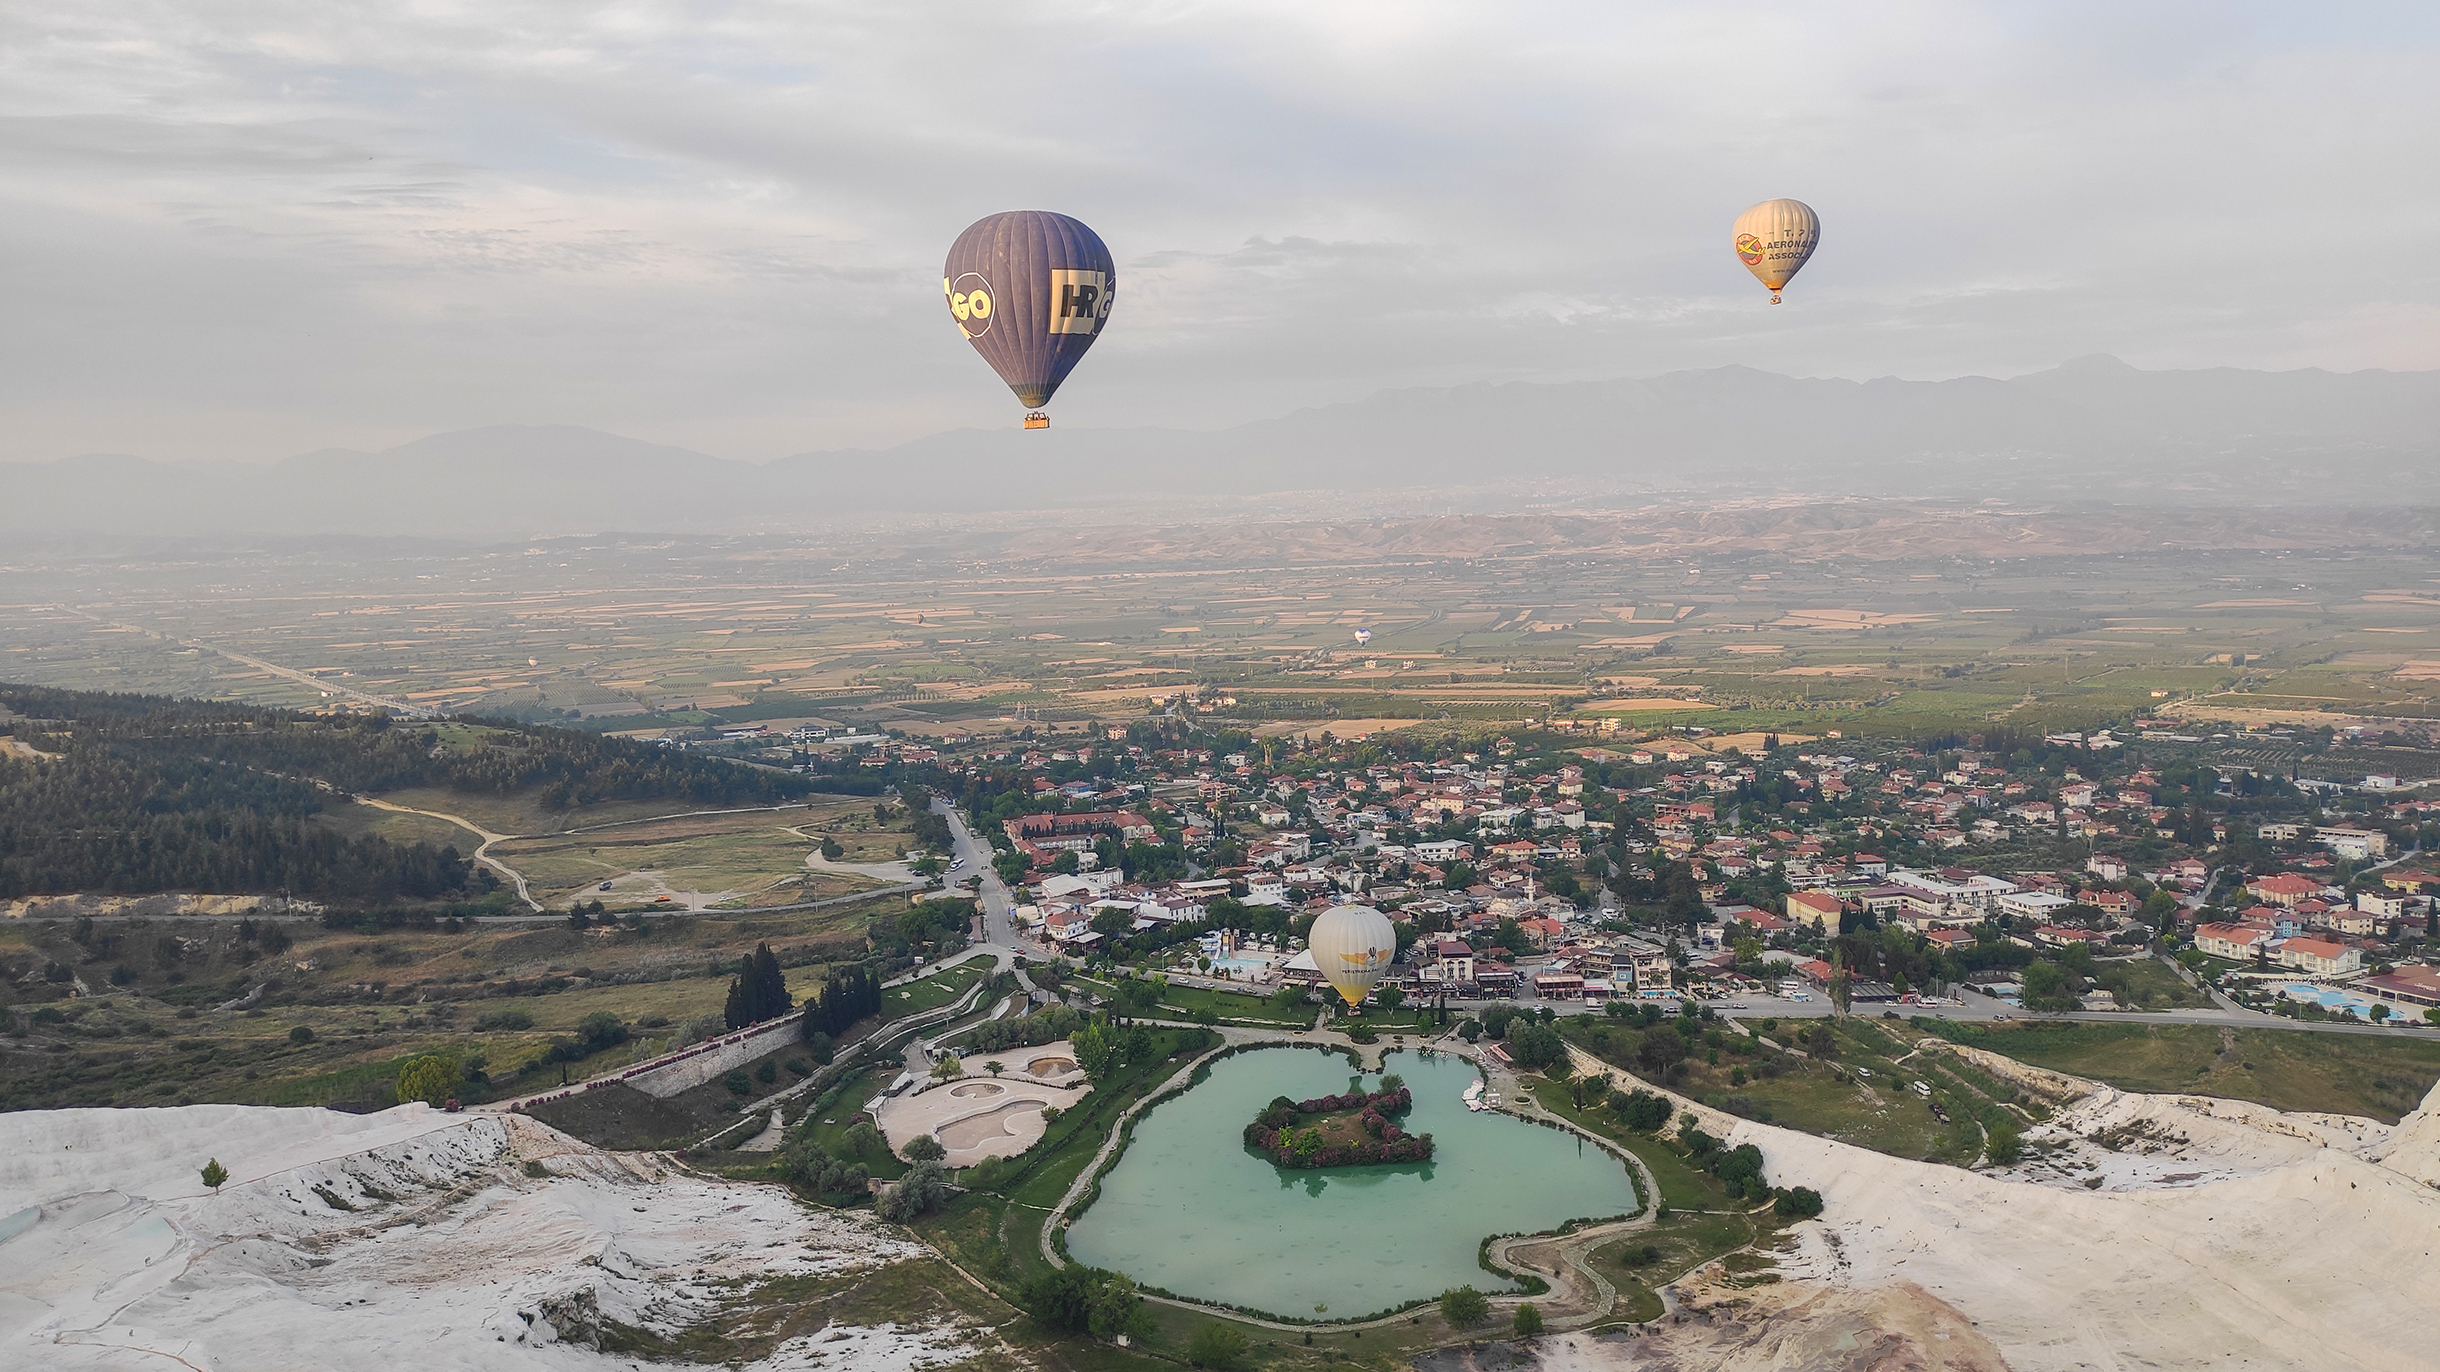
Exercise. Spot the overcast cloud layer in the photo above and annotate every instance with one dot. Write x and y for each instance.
(242, 230)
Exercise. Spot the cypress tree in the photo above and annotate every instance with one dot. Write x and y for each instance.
(771, 998)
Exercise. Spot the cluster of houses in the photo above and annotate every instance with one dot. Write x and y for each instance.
(1313, 828)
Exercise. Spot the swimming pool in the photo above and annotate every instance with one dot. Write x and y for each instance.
(1240, 966)
(2327, 997)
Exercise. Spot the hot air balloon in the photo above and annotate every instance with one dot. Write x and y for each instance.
(1030, 290)
(1351, 945)
(1774, 238)
(1363, 636)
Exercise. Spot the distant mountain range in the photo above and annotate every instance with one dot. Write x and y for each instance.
(2092, 429)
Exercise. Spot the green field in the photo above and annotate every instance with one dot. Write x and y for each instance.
(2348, 1074)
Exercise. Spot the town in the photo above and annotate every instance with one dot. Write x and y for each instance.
(1995, 874)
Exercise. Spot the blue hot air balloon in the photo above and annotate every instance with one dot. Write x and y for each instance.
(1030, 290)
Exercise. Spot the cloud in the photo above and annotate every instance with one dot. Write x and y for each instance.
(239, 229)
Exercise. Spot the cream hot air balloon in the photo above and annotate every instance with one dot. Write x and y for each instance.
(1351, 945)
(1775, 238)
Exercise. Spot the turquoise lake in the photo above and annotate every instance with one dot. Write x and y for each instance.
(1190, 1210)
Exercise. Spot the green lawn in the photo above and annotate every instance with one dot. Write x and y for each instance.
(933, 992)
(1230, 1005)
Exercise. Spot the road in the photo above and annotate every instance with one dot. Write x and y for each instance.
(998, 920)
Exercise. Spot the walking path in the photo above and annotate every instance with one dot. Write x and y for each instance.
(768, 1140)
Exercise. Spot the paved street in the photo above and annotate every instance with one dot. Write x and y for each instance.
(999, 926)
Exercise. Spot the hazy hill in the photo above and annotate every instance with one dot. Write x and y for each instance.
(2094, 428)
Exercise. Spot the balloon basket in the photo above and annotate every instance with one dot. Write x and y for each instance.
(1774, 297)
(1037, 420)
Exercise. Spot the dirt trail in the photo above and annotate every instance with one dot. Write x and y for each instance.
(481, 854)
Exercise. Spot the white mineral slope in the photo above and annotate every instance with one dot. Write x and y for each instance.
(2307, 1254)
(455, 1254)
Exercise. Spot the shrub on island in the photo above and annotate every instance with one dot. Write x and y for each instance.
(1354, 1129)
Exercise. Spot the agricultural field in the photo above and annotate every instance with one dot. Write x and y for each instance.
(1629, 623)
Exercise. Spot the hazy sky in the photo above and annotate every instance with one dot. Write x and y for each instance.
(243, 230)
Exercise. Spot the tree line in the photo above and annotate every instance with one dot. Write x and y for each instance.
(372, 753)
(102, 818)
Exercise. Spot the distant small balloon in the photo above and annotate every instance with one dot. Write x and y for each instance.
(1774, 240)
(1363, 635)
(1030, 290)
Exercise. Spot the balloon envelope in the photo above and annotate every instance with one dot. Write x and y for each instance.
(1030, 290)
(1774, 238)
(1352, 944)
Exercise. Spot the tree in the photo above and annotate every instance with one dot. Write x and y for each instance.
(303, 1033)
(2003, 1142)
(1464, 1307)
(1096, 1049)
(600, 1030)
(1528, 1321)
(2049, 986)
(1216, 1346)
(1640, 1109)
(923, 1148)
(917, 1194)
(1390, 997)
(214, 1174)
(1060, 1299)
(861, 1139)
(1798, 1202)
(433, 1079)
(820, 1172)
(1116, 1308)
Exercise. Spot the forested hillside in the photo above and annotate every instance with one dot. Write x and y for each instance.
(129, 794)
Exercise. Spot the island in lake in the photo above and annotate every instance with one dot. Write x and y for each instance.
(1350, 1130)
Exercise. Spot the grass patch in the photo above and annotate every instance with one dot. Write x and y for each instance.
(934, 991)
(2149, 984)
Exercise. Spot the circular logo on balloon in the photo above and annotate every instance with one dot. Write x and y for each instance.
(1749, 249)
(970, 303)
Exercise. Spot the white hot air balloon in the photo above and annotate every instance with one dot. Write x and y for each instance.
(1363, 636)
(1775, 238)
(1352, 945)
